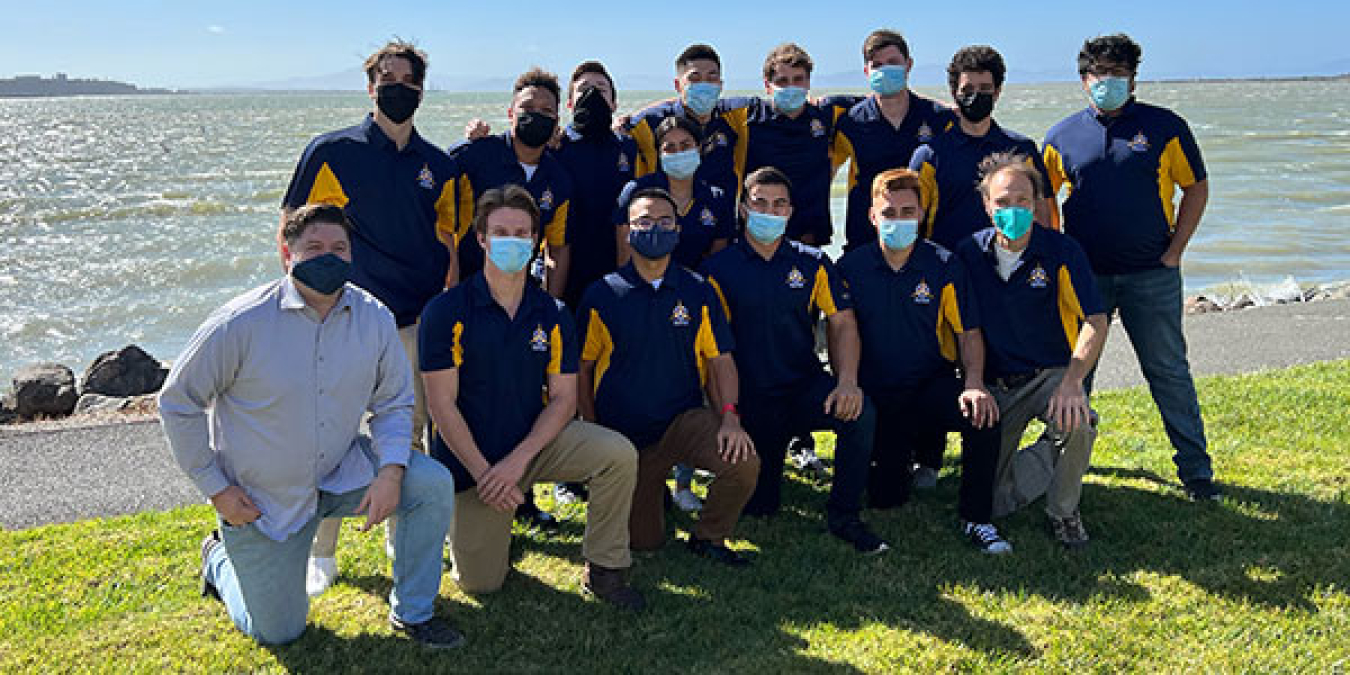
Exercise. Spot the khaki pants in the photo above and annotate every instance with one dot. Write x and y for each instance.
(691, 440)
(325, 539)
(1052, 466)
(583, 452)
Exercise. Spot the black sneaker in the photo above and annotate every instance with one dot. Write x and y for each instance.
(611, 586)
(857, 533)
(209, 544)
(716, 552)
(1203, 490)
(1069, 531)
(434, 633)
(529, 515)
(985, 537)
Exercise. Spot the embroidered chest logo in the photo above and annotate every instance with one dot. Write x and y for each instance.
(817, 128)
(1139, 143)
(795, 279)
(546, 200)
(925, 133)
(707, 218)
(718, 139)
(425, 178)
(623, 162)
(680, 315)
(539, 341)
(1038, 278)
(922, 294)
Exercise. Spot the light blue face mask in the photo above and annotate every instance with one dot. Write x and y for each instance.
(1109, 93)
(680, 165)
(510, 254)
(898, 233)
(888, 80)
(1013, 221)
(766, 228)
(789, 99)
(701, 97)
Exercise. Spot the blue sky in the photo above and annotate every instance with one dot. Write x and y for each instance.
(191, 43)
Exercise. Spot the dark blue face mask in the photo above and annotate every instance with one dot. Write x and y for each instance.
(655, 243)
(325, 274)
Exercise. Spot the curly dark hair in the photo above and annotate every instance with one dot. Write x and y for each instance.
(417, 59)
(976, 59)
(1118, 49)
(538, 77)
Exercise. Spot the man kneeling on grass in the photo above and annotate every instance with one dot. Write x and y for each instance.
(262, 412)
(1044, 329)
(499, 359)
(654, 333)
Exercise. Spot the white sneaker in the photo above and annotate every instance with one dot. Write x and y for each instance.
(321, 574)
(986, 538)
(688, 501)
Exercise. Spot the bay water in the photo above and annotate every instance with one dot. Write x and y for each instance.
(128, 219)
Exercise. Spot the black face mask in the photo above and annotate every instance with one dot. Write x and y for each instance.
(976, 106)
(325, 274)
(397, 101)
(535, 129)
(591, 115)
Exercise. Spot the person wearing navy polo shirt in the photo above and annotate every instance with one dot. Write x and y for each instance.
(914, 307)
(600, 162)
(520, 157)
(654, 335)
(792, 135)
(1044, 328)
(949, 164)
(705, 212)
(698, 88)
(489, 347)
(1123, 160)
(773, 291)
(882, 131)
(398, 190)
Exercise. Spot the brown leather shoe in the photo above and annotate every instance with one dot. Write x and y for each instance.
(611, 585)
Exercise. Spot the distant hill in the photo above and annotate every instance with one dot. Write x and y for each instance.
(33, 86)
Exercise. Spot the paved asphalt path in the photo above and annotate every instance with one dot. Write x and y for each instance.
(63, 474)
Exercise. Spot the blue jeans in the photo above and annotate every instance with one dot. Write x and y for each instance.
(1150, 304)
(262, 581)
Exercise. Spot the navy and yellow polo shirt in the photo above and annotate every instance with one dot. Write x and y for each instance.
(718, 140)
(1122, 173)
(1032, 320)
(710, 215)
(799, 147)
(908, 320)
(650, 346)
(600, 168)
(949, 167)
(490, 162)
(503, 363)
(401, 204)
(773, 306)
(873, 145)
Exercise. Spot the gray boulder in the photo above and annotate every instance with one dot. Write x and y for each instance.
(44, 389)
(128, 371)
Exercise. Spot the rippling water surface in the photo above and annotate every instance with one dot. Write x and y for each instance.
(127, 220)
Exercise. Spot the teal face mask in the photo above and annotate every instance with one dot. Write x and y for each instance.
(1109, 93)
(680, 165)
(888, 80)
(510, 254)
(766, 228)
(898, 233)
(1013, 221)
(701, 97)
(789, 99)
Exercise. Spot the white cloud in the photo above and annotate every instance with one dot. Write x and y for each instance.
(215, 30)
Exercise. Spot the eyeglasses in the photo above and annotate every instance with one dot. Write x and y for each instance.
(645, 223)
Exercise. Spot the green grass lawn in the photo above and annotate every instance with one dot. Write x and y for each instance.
(1256, 583)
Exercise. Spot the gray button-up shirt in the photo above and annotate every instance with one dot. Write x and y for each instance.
(268, 397)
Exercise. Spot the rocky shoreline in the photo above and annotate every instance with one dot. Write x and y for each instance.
(123, 384)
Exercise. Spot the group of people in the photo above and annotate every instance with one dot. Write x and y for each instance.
(598, 304)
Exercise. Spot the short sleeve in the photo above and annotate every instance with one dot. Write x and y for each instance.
(314, 180)
(1188, 168)
(1084, 283)
(717, 318)
(829, 292)
(440, 334)
(967, 307)
(563, 344)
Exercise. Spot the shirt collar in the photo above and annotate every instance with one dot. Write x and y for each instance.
(668, 280)
(291, 299)
(376, 136)
(479, 293)
(1126, 110)
(783, 245)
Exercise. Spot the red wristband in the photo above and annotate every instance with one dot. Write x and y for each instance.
(730, 407)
